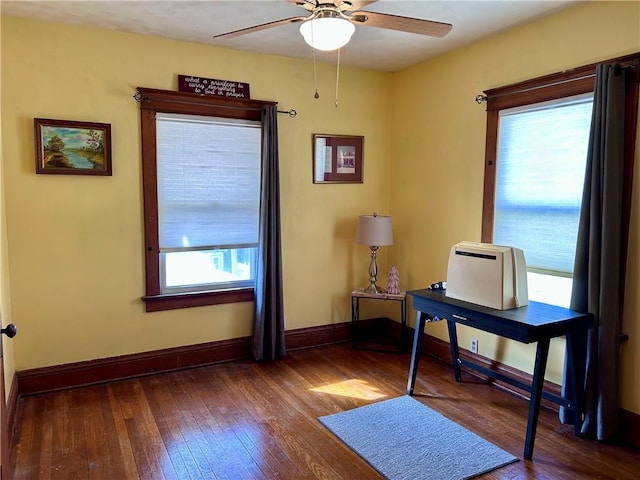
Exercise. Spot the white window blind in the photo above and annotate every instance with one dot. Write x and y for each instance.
(542, 153)
(208, 181)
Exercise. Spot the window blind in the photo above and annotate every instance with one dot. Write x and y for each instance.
(542, 152)
(208, 181)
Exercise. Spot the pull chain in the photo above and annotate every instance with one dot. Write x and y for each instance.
(337, 77)
(315, 73)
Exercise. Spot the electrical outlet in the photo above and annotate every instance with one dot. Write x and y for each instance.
(474, 345)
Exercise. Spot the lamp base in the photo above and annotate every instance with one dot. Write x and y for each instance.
(373, 289)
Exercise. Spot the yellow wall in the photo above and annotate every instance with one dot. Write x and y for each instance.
(76, 258)
(5, 297)
(438, 145)
(76, 243)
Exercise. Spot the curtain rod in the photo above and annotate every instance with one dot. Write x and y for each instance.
(139, 97)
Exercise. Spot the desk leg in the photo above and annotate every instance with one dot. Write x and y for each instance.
(415, 351)
(536, 396)
(453, 342)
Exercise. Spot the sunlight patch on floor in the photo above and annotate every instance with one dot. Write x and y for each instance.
(351, 388)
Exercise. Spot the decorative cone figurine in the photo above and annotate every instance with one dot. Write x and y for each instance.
(393, 284)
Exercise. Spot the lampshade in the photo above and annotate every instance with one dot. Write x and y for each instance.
(374, 230)
(327, 32)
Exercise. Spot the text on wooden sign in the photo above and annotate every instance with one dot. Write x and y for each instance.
(212, 86)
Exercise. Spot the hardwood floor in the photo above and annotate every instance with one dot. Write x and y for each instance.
(247, 420)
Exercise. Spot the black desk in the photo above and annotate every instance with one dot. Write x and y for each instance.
(536, 322)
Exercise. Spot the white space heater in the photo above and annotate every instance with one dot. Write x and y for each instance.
(494, 276)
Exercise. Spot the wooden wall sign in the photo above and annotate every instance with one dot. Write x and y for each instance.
(212, 86)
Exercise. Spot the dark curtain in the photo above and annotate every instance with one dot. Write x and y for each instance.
(267, 342)
(598, 284)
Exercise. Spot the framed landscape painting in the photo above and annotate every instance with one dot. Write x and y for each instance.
(72, 148)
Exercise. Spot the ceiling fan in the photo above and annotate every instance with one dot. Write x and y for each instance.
(330, 24)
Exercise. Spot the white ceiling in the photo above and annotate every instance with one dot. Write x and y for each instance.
(370, 47)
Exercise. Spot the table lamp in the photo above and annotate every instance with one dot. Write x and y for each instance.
(374, 231)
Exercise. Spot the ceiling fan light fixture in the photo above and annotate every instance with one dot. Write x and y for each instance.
(327, 32)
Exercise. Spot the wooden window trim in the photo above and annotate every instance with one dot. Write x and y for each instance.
(151, 102)
(157, 303)
(541, 89)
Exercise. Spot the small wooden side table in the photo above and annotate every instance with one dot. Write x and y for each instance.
(401, 297)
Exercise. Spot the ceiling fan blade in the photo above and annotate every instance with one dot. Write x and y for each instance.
(402, 24)
(257, 28)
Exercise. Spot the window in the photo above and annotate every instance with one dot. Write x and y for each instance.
(201, 182)
(542, 152)
(208, 201)
(535, 155)
(534, 178)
